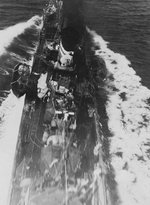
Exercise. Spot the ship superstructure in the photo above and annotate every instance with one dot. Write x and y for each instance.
(55, 153)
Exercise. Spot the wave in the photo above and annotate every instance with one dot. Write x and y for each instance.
(7, 35)
(10, 115)
(11, 108)
(22, 59)
(3, 71)
(128, 110)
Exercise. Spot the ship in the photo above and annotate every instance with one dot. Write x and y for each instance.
(55, 161)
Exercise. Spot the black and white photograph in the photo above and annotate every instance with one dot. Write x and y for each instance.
(74, 102)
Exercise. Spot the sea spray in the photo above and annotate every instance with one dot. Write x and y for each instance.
(10, 114)
(128, 110)
(11, 111)
(7, 35)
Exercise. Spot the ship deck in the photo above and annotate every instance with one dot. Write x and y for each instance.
(54, 174)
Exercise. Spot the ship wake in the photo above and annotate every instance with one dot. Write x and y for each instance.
(128, 111)
(11, 107)
(10, 114)
(8, 34)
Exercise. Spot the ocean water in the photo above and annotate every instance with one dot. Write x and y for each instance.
(19, 26)
(126, 26)
(120, 31)
(20, 23)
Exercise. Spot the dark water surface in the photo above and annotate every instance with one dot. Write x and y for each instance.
(18, 35)
(125, 24)
(15, 11)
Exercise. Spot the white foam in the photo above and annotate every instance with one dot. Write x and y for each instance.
(7, 35)
(129, 123)
(10, 113)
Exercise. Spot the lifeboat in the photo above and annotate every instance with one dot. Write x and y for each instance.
(20, 79)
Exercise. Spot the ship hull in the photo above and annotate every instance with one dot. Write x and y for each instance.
(55, 159)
